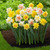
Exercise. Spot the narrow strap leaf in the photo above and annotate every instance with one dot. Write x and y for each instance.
(36, 34)
(42, 29)
(25, 36)
(22, 34)
(28, 34)
(46, 28)
(41, 33)
(19, 36)
(17, 31)
(32, 32)
(45, 31)
(31, 38)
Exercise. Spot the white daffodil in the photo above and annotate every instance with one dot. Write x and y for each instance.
(9, 20)
(21, 23)
(29, 10)
(31, 21)
(35, 8)
(37, 18)
(22, 12)
(21, 6)
(8, 10)
(39, 11)
(18, 18)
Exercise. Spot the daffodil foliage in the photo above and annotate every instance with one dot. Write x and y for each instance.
(29, 24)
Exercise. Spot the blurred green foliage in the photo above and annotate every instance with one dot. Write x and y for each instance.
(3, 24)
(4, 4)
(48, 18)
(3, 13)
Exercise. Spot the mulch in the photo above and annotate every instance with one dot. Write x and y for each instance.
(9, 37)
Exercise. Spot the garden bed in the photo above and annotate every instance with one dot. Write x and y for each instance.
(9, 37)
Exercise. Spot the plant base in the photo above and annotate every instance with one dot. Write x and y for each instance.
(9, 37)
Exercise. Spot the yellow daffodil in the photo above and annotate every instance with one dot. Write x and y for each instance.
(45, 14)
(15, 25)
(11, 14)
(31, 5)
(18, 11)
(26, 26)
(40, 5)
(43, 21)
(25, 17)
(34, 13)
(36, 25)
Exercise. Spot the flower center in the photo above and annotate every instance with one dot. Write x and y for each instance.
(18, 17)
(31, 22)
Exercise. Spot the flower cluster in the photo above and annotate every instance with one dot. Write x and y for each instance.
(26, 17)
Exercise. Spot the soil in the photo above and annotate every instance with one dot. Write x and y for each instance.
(9, 37)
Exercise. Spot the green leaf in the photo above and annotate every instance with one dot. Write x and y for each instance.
(42, 32)
(19, 35)
(22, 36)
(32, 36)
(28, 34)
(25, 36)
(32, 32)
(45, 28)
(36, 34)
